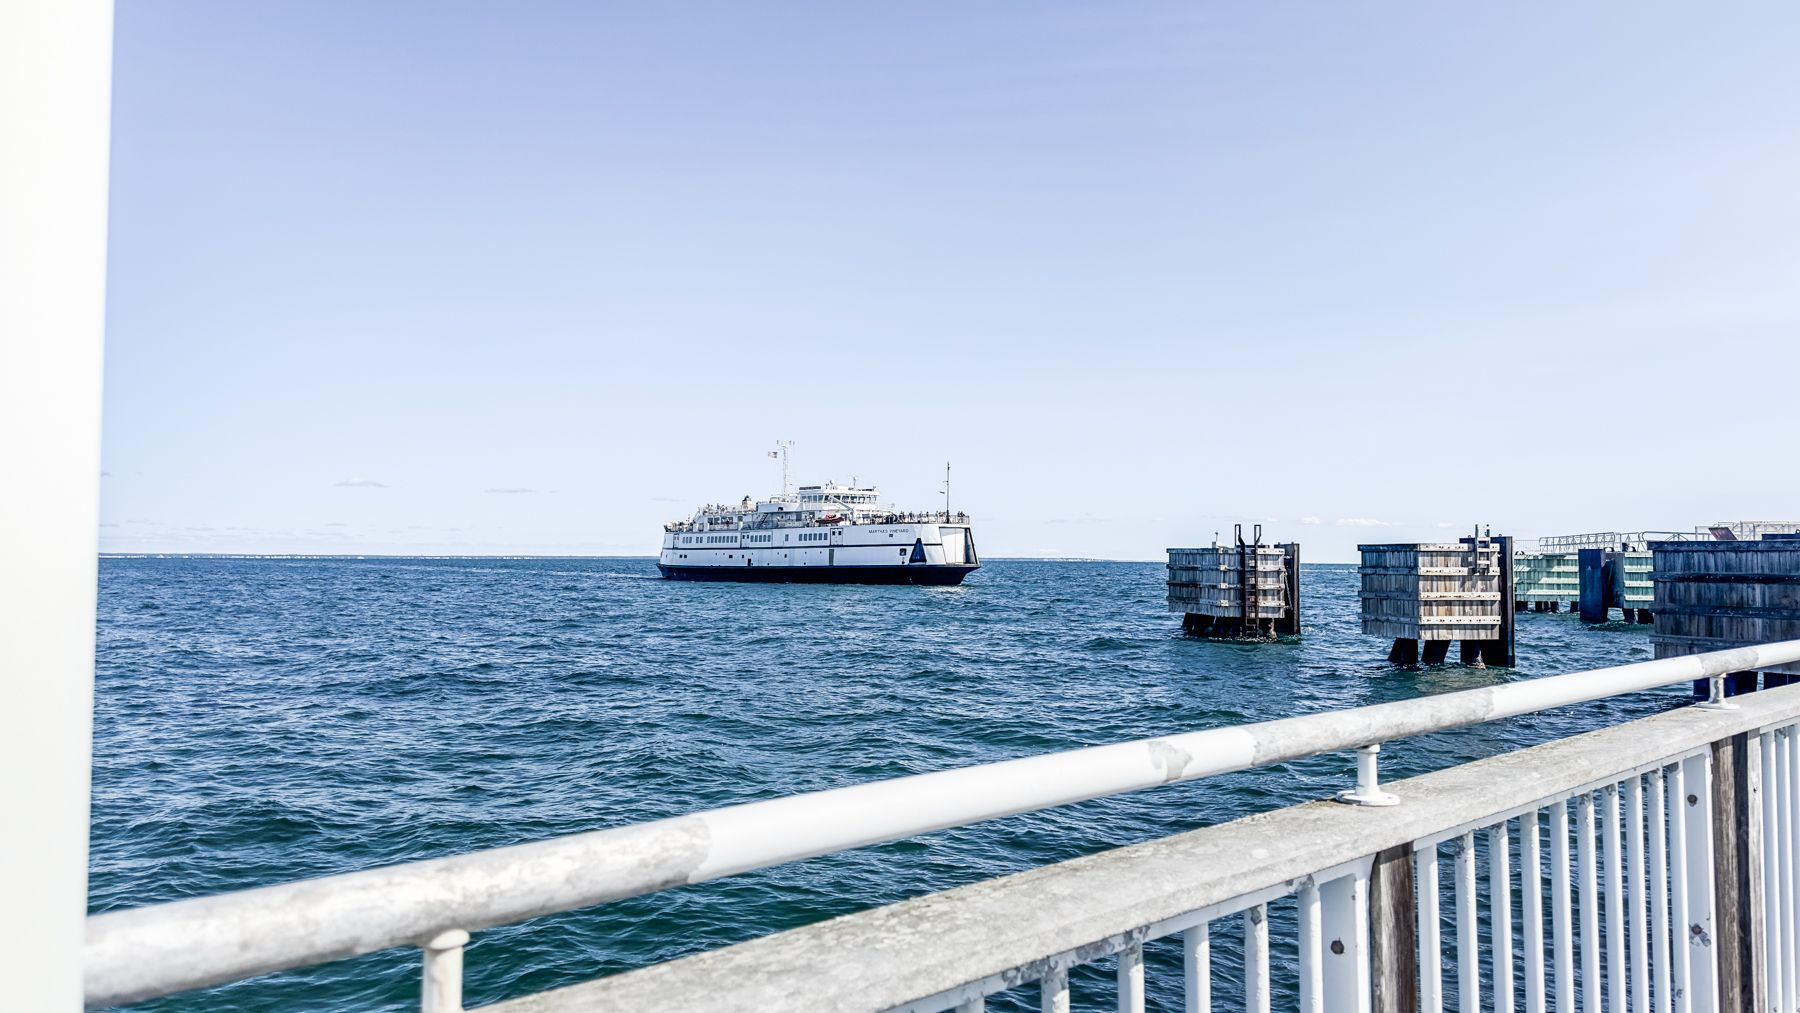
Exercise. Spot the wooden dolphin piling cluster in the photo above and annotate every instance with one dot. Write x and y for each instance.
(1424, 595)
(1247, 589)
(1709, 593)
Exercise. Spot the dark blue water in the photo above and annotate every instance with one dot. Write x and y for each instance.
(266, 720)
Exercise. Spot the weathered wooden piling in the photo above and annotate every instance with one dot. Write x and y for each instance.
(1713, 596)
(1207, 585)
(1424, 595)
(1616, 579)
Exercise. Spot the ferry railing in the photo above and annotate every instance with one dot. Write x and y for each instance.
(1350, 867)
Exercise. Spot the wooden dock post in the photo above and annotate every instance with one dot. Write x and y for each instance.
(1714, 596)
(1393, 937)
(1502, 652)
(1738, 874)
(1290, 623)
(1593, 586)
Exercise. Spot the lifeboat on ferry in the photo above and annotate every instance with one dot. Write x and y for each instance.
(831, 519)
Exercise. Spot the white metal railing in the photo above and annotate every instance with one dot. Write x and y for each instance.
(144, 952)
(1623, 917)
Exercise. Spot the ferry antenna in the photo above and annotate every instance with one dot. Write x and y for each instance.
(786, 475)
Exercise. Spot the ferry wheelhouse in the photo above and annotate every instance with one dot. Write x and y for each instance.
(821, 534)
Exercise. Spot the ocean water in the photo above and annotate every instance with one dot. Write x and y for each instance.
(259, 721)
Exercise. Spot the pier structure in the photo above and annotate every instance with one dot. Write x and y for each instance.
(1721, 595)
(1246, 589)
(1545, 581)
(1424, 595)
(1682, 823)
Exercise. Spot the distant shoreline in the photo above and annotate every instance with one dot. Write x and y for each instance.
(396, 556)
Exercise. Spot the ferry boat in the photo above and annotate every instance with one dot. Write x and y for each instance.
(819, 534)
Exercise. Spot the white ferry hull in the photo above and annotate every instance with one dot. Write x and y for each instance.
(925, 574)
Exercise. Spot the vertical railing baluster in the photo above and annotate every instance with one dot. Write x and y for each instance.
(1784, 806)
(1131, 979)
(441, 983)
(1312, 964)
(1053, 991)
(1562, 925)
(1636, 895)
(1344, 945)
(1500, 915)
(1771, 868)
(1196, 959)
(1431, 939)
(1468, 942)
(1659, 892)
(1590, 901)
(1680, 904)
(1614, 904)
(1256, 959)
(1791, 855)
(1702, 992)
(1531, 899)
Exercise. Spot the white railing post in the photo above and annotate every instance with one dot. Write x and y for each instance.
(1196, 959)
(1636, 896)
(1679, 904)
(440, 986)
(1368, 780)
(1468, 940)
(1659, 888)
(1344, 921)
(1256, 959)
(1053, 991)
(1588, 884)
(1771, 870)
(1531, 897)
(1131, 979)
(1613, 885)
(1312, 964)
(1790, 839)
(1562, 924)
(1701, 965)
(1500, 915)
(1431, 938)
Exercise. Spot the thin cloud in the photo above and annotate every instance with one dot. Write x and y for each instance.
(1310, 520)
(1443, 524)
(510, 490)
(664, 499)
(362, 483)
(106, 474)
(337, 524)
(1366, 522)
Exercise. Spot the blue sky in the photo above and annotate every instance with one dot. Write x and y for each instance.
(1140, 271)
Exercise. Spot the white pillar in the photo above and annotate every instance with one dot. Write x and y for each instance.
(55, 88)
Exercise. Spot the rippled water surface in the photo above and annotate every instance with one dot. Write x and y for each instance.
(266, 720)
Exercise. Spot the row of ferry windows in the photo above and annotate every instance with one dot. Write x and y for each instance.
(805, 536)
